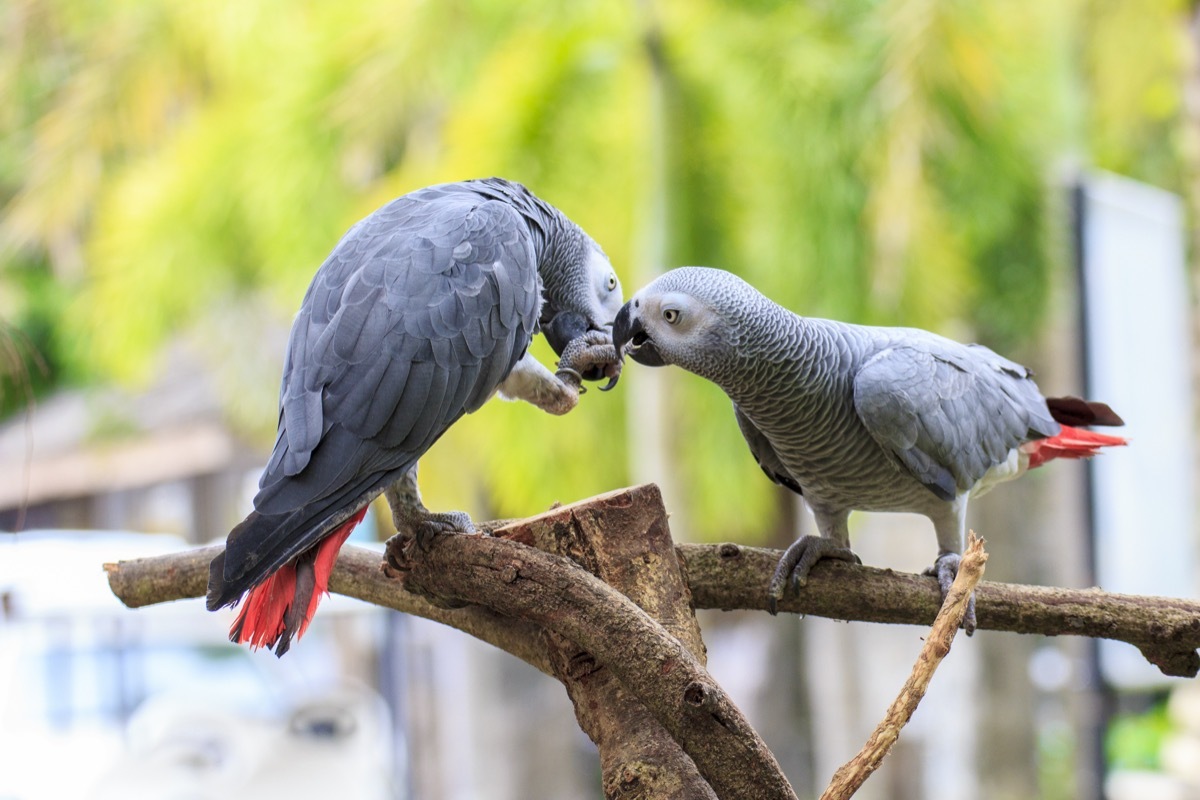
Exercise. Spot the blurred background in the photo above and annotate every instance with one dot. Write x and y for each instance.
(1019, 173)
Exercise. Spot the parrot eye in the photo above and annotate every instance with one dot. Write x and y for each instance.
(671, 315)
(612, 281)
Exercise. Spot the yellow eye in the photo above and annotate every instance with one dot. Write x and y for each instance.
(671, 315)
(612, 281)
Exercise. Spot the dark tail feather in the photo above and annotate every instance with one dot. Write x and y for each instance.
(1075, 412)
(280, 606)
(226, 593)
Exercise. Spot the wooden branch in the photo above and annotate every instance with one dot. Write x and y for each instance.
(847, 780)
(654, 666)
(1166, 630)
(730, 576)
(623, 539)
(358, 574)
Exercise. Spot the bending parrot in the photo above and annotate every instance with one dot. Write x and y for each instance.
(855, 417)
(422, 312)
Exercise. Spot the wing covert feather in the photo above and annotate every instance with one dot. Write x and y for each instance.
(948, 412)
(414, 319)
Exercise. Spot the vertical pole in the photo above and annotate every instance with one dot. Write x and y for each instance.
(1098, 698)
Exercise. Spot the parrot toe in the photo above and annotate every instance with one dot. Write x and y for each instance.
(435, 525)
(945, 569)
(590, 357)
(798, 560)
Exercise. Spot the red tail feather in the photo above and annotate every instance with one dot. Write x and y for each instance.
(263, 619)
(1069, 443)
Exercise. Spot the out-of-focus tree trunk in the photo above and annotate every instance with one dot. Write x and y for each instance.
(647, 399)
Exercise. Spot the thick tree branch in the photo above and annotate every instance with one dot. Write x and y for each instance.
(623, 539)
(730, 576)
(358, 574)
(653, 665)
(847, 780)
(1165, 629)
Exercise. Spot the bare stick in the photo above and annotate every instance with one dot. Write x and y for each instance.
(1165, 629)
(732, 576)
(177, 576)
(847, 780)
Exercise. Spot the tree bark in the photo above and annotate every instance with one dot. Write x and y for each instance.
(623, 539)
(1165, 629)
(554, 592)
(637, 672)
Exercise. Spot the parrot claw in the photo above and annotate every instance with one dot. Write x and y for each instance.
(798, 560)
(945, 569)
(589, 357)
(571, 378)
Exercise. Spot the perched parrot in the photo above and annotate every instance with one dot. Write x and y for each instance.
(855, 417)
(423, 311)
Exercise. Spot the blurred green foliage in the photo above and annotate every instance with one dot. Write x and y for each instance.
(1134, 740)
(177, 170)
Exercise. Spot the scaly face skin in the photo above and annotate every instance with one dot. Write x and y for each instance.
(674, 320)
(607, 297)
(591, 304)
(584, 314)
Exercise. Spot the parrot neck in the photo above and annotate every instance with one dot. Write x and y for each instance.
(784, 349)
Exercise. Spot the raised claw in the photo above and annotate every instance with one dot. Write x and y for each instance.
(588, 357)
(572, 378)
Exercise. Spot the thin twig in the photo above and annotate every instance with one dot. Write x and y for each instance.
(847, 780)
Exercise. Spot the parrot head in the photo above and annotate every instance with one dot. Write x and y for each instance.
(582, 293)
(688, 317)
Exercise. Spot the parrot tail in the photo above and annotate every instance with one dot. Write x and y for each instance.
(1074, 411)
(1069, 443)
(281, 606)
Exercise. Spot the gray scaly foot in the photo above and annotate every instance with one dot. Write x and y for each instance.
(798, 561)
(590, 356)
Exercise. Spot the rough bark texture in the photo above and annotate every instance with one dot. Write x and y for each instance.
(730, 576)
(1165, 629)
(549, 611)
(847, 780)
(161, 579)
(623, 539)
(650, 663)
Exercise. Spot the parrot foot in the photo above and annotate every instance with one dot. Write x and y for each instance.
(416, 531)
(426, 527)
(418, 528)
(799, 559)
(945, 569)
(589, 357)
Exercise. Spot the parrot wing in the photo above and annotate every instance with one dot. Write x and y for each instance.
(948, 412)
(764, 453)
(415, 318)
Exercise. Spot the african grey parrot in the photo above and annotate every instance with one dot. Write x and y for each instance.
(422, 312)
(855, 417)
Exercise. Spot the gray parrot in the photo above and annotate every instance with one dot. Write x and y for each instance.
(855, 417)
(423, 311)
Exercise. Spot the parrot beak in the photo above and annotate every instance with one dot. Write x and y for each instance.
(564, 328)
(629, 336)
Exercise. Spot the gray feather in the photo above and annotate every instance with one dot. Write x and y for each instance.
(414, 319)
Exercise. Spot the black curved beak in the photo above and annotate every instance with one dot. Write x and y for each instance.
(564, 328)
(629, 337)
